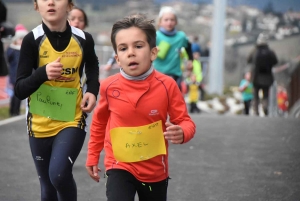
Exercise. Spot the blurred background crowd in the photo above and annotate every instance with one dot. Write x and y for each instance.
(247, 24)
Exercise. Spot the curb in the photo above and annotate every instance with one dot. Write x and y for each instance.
(12, 119)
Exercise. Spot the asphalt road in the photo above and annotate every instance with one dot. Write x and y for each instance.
(231, 158)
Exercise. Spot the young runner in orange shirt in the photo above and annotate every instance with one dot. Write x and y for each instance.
(139, 112)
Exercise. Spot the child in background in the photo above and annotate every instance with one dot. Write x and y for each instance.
(13, 54)
(169, 42)
(282, 100)
(78, 18)
(131, 123)
(49, 74)
(246, 87)
(197, 70)
(193, 91)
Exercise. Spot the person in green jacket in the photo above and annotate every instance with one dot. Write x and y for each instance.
(197, 71)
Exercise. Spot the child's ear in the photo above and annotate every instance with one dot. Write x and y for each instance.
(154, 53)
(117, 59)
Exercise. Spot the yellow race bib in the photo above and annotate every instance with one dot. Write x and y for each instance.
(133, 144)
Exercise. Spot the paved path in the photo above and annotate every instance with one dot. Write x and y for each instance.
(232, 158)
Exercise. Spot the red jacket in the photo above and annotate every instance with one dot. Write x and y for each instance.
(127, 103)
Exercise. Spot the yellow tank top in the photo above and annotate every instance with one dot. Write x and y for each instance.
(71, 58)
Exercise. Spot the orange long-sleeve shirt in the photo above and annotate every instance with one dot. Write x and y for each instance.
(127, 103)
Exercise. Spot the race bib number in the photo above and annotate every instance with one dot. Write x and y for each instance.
(133, 144)
(54, 102)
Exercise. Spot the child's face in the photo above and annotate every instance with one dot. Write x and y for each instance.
(53, 11)
(193, 77)
(76, 19)
(133, 51)
(248, 76)
(19, 41)
(168, 21)
(196, 55)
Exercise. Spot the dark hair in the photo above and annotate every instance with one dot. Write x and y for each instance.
(86, 21)
(136, 20)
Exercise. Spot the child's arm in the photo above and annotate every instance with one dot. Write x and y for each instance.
(182, 128)
(97, 135)
(243, 86)
(189, 51)
(190, 55)
(91, 66)
(28, 81)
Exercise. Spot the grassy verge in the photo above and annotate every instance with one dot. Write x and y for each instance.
(4, 114)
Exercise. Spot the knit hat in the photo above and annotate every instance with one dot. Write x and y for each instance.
(195, 48)
(166, 9)
(262, 39)
(20, 32)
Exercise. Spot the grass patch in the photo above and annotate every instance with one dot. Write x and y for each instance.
(4, 112)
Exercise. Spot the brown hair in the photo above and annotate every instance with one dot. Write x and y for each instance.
(139, 21)
(86, 21)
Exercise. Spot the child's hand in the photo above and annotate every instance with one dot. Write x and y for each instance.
(93, 172)
(242, 88)
(173, 133)
(54, 69)
(88, 102)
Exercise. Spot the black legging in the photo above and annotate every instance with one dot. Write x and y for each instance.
(122, 186)
(54, 158)
(247, 105)
(265, 100)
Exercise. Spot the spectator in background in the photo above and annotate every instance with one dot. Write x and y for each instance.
(3, 65)
(204, 62)
(169, 42)
(195, 45)
(13, 54)
(193, 91)
(197, 70)
(263, 59)
(78, 18)
(282, 101)
(246, 87)
(206, 50)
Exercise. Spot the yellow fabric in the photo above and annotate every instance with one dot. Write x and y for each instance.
(183, 57)
(71, 59)
(197, 70)
(133, 144)
(193, 92)
(163, 49)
